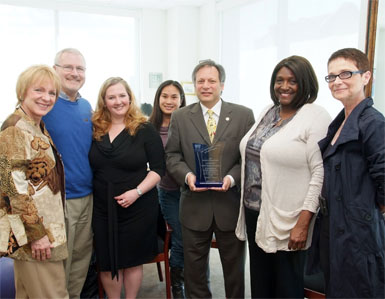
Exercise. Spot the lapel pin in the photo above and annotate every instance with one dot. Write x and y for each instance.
(227, 118)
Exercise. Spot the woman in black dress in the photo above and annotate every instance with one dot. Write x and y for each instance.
(127, 159)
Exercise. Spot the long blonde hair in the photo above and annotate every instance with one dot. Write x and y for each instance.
(102, 118)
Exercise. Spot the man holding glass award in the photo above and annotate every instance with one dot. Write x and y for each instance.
(203, 157)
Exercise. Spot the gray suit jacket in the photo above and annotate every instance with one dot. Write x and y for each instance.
(198, 209)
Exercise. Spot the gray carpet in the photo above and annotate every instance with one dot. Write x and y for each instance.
(153, 288)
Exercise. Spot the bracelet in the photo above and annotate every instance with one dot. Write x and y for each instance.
(140, 193)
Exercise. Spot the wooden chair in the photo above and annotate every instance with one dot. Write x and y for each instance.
(161, 257)
(311, 294)
(214, 242)
(164, 257)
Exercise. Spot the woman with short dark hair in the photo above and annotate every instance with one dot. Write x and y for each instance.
(281, 180)
(352, 238)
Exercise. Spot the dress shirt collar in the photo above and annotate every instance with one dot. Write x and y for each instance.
(217, 108)
(65, 97)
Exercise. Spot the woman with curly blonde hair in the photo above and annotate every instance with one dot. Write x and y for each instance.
(102, 116)
(127, 160)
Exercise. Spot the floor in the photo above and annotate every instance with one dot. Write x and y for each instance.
(153, 288)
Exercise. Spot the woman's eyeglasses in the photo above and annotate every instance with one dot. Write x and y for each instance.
(344, 75)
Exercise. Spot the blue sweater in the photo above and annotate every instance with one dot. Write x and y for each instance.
(69, 124)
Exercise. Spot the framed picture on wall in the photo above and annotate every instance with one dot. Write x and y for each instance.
(188, 88)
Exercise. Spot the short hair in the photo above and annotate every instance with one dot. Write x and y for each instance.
(102, 117)
(209, 62)
(306, 79)
(156, 116)
(356, 56)
(36, 74)
(67, 50)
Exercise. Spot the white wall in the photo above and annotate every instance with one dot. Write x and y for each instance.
(378, 90)
(169, 45)
(153, 53)
(179, 37)
(258, 34)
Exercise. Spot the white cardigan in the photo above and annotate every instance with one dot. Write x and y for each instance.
(292, 177)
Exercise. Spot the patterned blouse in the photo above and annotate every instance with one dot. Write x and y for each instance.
(31, 185)
(253, 176)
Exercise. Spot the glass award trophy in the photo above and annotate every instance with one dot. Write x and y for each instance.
(208, 161)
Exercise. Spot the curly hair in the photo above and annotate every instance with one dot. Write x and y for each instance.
(36, 74)
(102, 118)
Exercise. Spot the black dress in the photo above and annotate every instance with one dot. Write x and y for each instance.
(125, 237)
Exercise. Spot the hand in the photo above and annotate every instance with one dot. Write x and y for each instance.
(41, 249)
(127, 198)
(225, 186)
(298, 237)
(191, 179)
(298, 234)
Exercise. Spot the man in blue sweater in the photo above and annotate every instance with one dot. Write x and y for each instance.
(69, 124)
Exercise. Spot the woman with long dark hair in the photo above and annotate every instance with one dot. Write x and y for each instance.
(168, 98)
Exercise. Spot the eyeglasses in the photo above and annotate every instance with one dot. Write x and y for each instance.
(70, 68)
(342, 76)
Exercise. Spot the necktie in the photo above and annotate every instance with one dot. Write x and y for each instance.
(211, 125)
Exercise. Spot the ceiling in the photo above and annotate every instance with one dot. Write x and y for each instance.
(128, 4)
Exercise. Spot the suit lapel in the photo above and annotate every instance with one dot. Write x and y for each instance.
(198, 121)
(224, 121)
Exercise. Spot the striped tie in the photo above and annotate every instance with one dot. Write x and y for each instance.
(211, 125)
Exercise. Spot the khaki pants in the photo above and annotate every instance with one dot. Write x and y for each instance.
(79, 240)
(40, 279)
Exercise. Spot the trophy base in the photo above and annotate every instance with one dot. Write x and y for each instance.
(208, 184)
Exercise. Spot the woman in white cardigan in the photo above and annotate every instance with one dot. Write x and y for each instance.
(282, 175)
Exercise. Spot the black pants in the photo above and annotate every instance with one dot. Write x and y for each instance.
(324, 251)
(273, 275)
(196, 246)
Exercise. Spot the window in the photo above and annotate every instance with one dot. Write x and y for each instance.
(34, 35)
(256, 36)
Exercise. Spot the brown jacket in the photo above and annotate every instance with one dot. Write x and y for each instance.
(32, 188)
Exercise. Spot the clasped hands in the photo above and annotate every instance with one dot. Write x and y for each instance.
(127, 198)
(191, 179)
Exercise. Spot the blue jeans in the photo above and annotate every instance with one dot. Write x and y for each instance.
(169, 203)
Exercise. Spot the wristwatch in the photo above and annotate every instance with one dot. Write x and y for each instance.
(140, 193)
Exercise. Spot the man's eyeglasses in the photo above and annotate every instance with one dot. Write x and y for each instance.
(342, 76)
(70, 68)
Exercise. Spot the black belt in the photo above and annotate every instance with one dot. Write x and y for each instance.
(113, 231)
